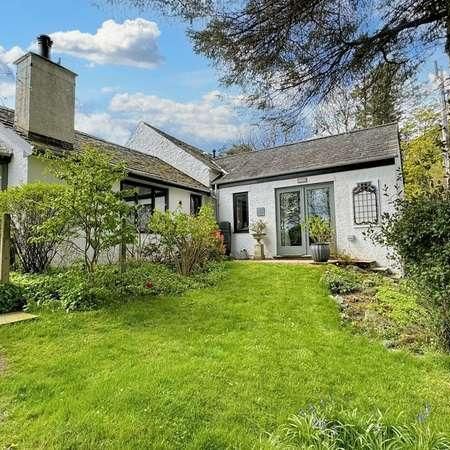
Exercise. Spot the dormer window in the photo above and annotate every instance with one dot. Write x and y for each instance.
(365, 204)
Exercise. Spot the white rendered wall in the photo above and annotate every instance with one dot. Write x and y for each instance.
(146, 140)
(20, 148)
(263, 195)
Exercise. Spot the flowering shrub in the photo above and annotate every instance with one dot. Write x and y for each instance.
(190, 241)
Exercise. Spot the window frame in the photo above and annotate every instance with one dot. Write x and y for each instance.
(135, 197)
(372, 188)
(191, 203)
(236, 195)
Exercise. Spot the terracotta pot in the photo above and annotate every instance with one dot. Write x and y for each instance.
(320, 252)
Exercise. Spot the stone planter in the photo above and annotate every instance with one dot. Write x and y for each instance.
(259, 246)
(320, 252)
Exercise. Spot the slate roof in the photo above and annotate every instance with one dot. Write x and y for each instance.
(359, 146)
(137, 162)
(201, 155)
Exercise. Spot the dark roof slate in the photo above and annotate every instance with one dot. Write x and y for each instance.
(370, 144)
(136, 162)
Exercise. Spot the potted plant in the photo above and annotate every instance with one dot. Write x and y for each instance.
(257, 228)
(320, 232)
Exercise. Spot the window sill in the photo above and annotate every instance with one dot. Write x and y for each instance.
(366, 226)
(240, 232)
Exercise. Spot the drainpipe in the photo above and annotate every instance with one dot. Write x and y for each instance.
(3, 176)
(215, 195)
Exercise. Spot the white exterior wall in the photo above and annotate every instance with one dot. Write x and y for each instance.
(147, 140)
(20, 148)
(263, 195)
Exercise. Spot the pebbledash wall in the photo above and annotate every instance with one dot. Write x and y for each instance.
(349, 237)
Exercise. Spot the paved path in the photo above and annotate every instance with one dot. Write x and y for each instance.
(15, 317)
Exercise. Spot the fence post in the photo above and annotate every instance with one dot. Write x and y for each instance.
(5, 247)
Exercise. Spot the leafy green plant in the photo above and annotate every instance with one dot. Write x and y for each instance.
(75, 289)
(11, 297)
(399, 306)
(258, 226)
(190, 241)
(418, 235)
(322, 428)
(30, 206)
(319, 229)
(96, 215)
(341, 281)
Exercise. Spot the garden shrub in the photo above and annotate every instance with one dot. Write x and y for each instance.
(30, 206)
(11, 297)
(75, 289)
(322, 428)
(71, 290)
(190, 241)
(92, 211)
(418, 233)
(341, 281)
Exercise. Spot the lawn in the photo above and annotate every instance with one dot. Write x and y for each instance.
(214, 368)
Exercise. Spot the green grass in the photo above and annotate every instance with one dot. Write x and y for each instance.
(215, 368)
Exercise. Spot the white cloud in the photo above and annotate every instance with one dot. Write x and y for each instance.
(213, 118)
(7, 71)
(109, 89)
(105, 126)
(131, 43)
(7, 58)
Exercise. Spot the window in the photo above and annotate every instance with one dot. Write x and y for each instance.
(196, 203)
(142, 218)
(147, 199)
(240, 212)
(365, 204)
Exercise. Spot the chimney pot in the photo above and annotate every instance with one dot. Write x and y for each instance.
(45, 44)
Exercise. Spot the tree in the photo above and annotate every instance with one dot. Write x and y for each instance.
(338, 114)
(379, 97)
(95, 215)
(421, 146)
(30, 206)
(303, 49)
(238, 149)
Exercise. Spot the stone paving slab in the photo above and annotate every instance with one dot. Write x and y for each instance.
(15, 317)
(286, 261)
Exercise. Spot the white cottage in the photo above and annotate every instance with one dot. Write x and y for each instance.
(350, 179)
(44, 120)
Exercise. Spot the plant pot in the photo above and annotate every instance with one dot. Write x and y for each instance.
(320, 252)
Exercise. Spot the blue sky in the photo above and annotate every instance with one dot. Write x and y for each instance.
(175, 89)
(132, 65)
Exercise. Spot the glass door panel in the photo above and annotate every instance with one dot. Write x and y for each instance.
(319, 202)
(290, 222)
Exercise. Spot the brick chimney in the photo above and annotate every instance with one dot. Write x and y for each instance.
(45, 96)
